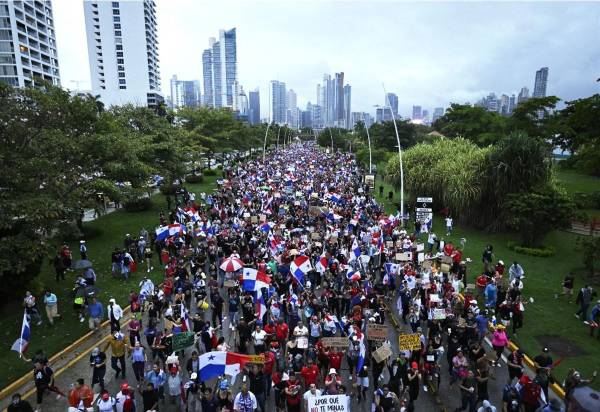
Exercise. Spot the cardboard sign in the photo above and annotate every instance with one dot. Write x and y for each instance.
(389, 244)
(302, 342)
(335, 342)
(420, 247)
(253, 219)
(328, 403)
(409, 341)
(182, 340)
(377, 332)
(439, 314)
(382, 353)
(421, 258)
(404, 257)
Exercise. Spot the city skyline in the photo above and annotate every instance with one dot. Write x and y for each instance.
(429, 73)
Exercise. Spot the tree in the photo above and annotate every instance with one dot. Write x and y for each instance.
(339, 136)
(535, 117)
(535, 214)
(383, 135)
(474, 123)
(590, 247)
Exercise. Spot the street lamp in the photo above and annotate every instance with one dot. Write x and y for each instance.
(369, 141)
(389, 105)
(265, 142)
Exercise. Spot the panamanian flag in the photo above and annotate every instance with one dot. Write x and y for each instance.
(253, 280)
(164, 232)
(22, 342)
(261, 306)
(300, 267)
(214, 364)
(322, 264)
(355, 252)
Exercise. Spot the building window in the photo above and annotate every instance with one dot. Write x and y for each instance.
(115, 4)
(120, 61)
(121, 68)
(119, 47)
(122, 81)
(116, 12)
(116, 19)
(122, 87)
(118, 33)
(122, 75)
(117, 26)
(120, 54)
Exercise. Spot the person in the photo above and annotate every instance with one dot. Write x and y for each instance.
(487, 258)
(51, 303)
(567, 285)
(515, 271)
(312, 392)
(157, 378)
(44, 380)
(118, 343)
(138, 360)
(292, 392)
(257, 385)
(245, 401)
(584, 298)
(209, 402)
(514, 362)
(83, 250)
(511, 399)
(19, 405)
(486, 406)
(449, 225)
(125, 399)
(385, 400)
(81, 396)
(59, 266)
(258, 337)
(149, 397)
(499, 342)
(224, 395)
(310, 373)
(106, 403)
(174, 386)
(29, 303)
(553, 406)
(95, 312)
(468, 397)
(413, 378)
(98, 365)
(114, 313)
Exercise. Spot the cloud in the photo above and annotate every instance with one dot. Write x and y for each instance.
(429, 54)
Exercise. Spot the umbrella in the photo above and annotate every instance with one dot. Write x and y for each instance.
(231, 264)
(82, 264)
(584, 399)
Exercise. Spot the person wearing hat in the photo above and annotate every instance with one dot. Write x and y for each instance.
(332, 382)
(174, 386)
(118, 344)
(98, 365)
(125, 399)
(105, 402)
(413, 378)
(486, 406)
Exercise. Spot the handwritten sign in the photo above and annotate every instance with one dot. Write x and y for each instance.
(439, 314)
(335, 342)
(377, 332)
(382, 353)
(182, 340)
(328, 403)
(409, 341)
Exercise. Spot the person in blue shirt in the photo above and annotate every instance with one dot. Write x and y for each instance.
(157, 378)
(51, 302)
(95, 312)
(490, 293)
(482, 325)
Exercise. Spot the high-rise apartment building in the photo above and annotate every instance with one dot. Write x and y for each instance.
(523, 95)
(347, 106)
(332, 96)
(184, 93)
(254, 107)
(417, 113)
(27, 43)
(219, 67)
(511, 104)
(277, 102)
(437, 113)
(123, 51)
(291, 108)
(541, 81)
(391, 99)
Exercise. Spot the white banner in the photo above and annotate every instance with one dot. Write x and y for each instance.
(328, 403)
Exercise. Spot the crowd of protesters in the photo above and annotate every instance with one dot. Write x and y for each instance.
(328, 262)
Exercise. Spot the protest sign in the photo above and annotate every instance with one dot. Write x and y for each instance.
(439, 314)
(382, 353)
(182, 340)
(377, 332)
(253, 219)
(328, 403)
(335, 342)
(409, 341)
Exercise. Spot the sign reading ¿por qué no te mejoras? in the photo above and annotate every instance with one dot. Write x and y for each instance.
(328, 403)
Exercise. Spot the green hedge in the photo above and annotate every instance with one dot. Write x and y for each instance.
(209, 172)
(194, 178)
(531, 251)
(138, 205)
(587, 200)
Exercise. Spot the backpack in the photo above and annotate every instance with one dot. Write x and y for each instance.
(531, 393)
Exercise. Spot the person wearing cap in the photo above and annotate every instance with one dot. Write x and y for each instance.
(174, 386)
(19, 405)
(118, 344)
(105, 402)
(125, 399)
(114, 313)
(98, 365)
(245, 401)
(413, 379)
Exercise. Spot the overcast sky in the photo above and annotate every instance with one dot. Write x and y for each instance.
(429, 54)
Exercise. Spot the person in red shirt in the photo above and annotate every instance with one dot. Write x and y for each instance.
(456, 259)
(310, 373)
(481, 283)
(448, 249)
(281, 332)
(293, 395)
(322, 357)
(333, 382)
(270, 329)
(268, 368)
(335, 359)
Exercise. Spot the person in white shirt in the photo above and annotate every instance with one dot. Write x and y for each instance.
(245, 401)
(449, 221)
(486, 406)
(106, 403)
(114, 313)
(312, 392)
(514, 271)
(258, 338)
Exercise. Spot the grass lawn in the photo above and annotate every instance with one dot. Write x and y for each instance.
(577, 182)
(543, 276)
(111, 231)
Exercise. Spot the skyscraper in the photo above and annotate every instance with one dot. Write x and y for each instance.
(541, 81)
(347, 106)
(277, 102)
(511, 104)
(416, 113)
(391, 99)
(27, 43)
(291, 106)
(254, 107)
(219, 67)
(437, 113)
(503, 109)
(338, 110)
(184, 93)
(523, 95)
(123, 51)
(379, 114)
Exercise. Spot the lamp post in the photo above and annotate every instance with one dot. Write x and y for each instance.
(369, 141)
(265, 142)
(399, 155)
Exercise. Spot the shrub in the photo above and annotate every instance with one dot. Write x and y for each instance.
(138, 205)
(194, 178)
(532, 251)
(36, 286)
(210, 172)
(167, 189)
